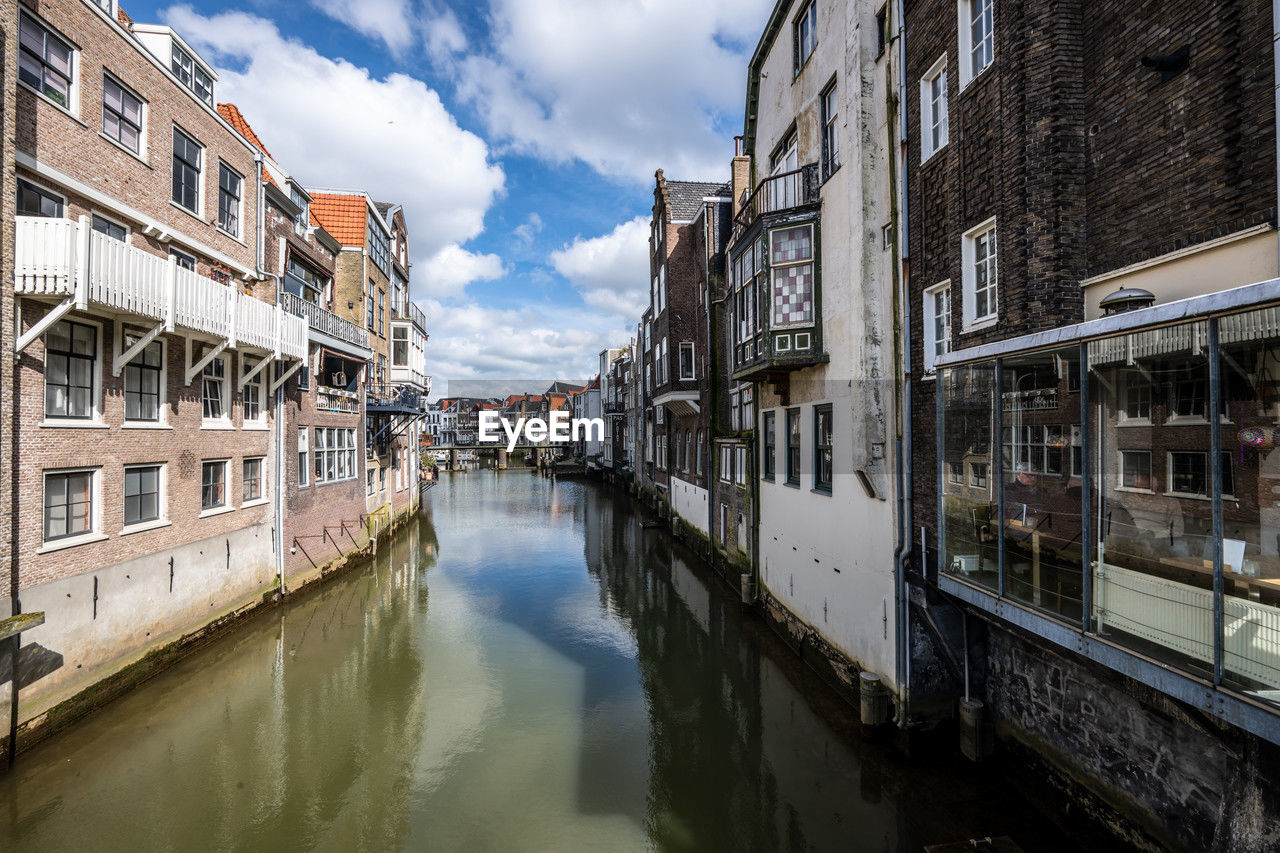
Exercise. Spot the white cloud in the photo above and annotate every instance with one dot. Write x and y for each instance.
(447, 273)
(392, 136)
(623, 86)
(391, 21)
(612, 270)
(529, 229)
(520, 342)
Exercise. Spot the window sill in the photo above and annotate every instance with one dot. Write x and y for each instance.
(51, 102)
(143, 527)
(222, 426)
(70, 424)
(194, 214)
(134, 154)
(221, 510)
(71, 542)
(1132, 491)
(144, 425)
(925, 158)
(253, 503)
(984, 323)
(1134, 422)
(225, 233)
(824, 492)
(254, 426)
(965, 84)
(790, 485)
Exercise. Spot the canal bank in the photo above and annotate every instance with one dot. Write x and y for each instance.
(526, 667)
(98, 645)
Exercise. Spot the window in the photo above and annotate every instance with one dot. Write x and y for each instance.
(740, 465)
(793, 447)
(1077, 451)
(830, 131)
(251, 395)
(185, 261)
(189, 72)
(304, 448)
(980, 276)
(104, 5)
(368, 481)
(213, 390)
(382, 312)
(686, 359)
(697, 452)
(1190, 393)
(791, 256)
(934, 121)
(252, 480)
(368, 308)
(937, 324)
(187, 157)
(882, 30)
(1135, 469)
(302, 221)
(822, 448)
(121, 115)
(726, 463)
(229, 186)
(1189, 473)
(114, 230)
(36, 201)
(70, 371)
(977, 44)
(806, 34)
(213, 485)
(1135, 399)
(978, 475)
(45, 61)
(769, 444)
(379, 249)
(142, 381)
(68, 504)
(382, 479)
(400, 346)
(335, 454)
(141, 494)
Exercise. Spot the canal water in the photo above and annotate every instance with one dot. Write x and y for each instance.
(524, 668)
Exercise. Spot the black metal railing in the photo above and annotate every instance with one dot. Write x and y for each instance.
(777, 193)
(325, 321)
(395, 395)
(409, 311)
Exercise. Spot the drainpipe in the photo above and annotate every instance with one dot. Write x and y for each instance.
(1275, 53)
(902, 318)
(277, 428)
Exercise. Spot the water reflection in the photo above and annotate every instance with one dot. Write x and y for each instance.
(527, 668)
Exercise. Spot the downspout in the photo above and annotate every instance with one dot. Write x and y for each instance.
(713, 369)
(1275, 55)
(277, 427)
(902, 356)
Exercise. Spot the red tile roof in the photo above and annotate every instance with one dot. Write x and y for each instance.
(343, 215)
(236, 119)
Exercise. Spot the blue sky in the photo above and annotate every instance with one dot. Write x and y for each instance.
(521, 136)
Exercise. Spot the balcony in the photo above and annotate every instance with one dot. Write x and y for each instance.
(411, 312)
(66, 258)
(396, 399)
(324, 321)
(777, 194)
(337, 400)
(401, 375)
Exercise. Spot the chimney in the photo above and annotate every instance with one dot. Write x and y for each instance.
(740, 175)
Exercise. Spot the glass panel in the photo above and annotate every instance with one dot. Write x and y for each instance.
(1250, 382)
(1153, 540)
(1042, 526)
(970, 514)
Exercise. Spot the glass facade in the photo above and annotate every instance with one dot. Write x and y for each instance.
(1136, 492)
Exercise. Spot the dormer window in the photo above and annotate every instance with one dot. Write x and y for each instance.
(303, 220)
(195, 78)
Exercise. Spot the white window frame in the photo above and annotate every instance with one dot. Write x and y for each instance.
(96, 419)
(224, 421)
(110, 220)
(120, 344)
(964, 26)
(972, 322)
(693, 366)
(1123, 390)
(198, 210)
(141, 153)
(808, 15)
(258, 382)
(726, 463)
(227, 505)
(162, 500)
(262, 481)
(304, 457)
(72, 107)
(934, 114)
(1120, 485)
(931, 327)
(94, 533)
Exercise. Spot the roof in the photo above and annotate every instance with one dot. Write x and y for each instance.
(383, 207)
(344, 215)
(686, 197)
(236, 119)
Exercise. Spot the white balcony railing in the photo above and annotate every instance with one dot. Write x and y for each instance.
(64, 257)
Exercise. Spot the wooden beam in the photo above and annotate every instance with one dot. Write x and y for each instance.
(194, 369)
(284, 377)
(246, 378)
(131, 353)
(42, 325)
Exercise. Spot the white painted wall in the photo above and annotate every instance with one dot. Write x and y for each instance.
(689, 501)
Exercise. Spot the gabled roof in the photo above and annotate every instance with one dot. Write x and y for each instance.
(236, 119)
(344, 215)
(684, 198)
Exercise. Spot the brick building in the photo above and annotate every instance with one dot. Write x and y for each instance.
(1102, 517)
(146, 360)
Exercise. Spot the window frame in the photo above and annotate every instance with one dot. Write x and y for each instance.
(261, 496)
(127, 339)
(121, 119)
(222, 420)
(190, 79)
(931, 318)
(304, 457)
(769, 447)
(94, 417)
(829, 128)
(72, 76)
(198, 168)
(1122, 485)
(964, 26)
(935, 113)
(683, 347)
(969, 249)
(44, 194)
(93, 530)
(223, 193)
(95, 218)
(794, 430)
(808, 15)
(161, 515)
(258, 383)
(820, 484)
(206, 485)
